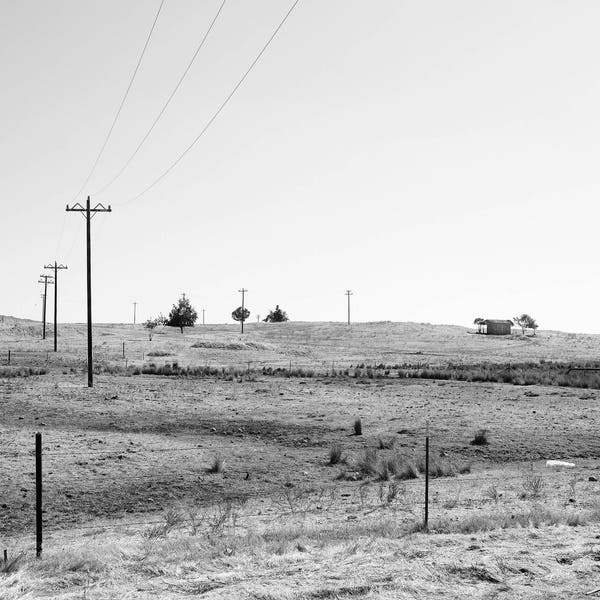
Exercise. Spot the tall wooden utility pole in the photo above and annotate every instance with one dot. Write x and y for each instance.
(348, 293)
(46, 283)
(56, 267)
(88, 213)
(243, 291)
(134, 307)
(203, 311)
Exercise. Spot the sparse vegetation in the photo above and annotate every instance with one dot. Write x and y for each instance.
(217, 465)
(357, 426)
(335, 454)
(480, 438)
(533, 488)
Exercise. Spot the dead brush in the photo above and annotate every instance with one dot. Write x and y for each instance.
(387, 443)
(367, 463)
(217, 465)
(11, 565)
(390, 493)
(298, 499)
(171, 520)
(492, 493)
(357, 426)
(532, 488)
(335, 455)
(480, 438)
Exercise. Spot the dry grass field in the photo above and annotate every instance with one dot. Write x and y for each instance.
(236, 471)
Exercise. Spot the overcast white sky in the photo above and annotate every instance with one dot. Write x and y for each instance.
(438, 158)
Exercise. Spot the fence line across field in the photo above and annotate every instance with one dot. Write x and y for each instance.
(425, 481)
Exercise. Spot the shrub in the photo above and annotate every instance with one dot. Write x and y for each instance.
(480, 438)
(532, 488)
(335, 454)
(386, 444)
(367, 464)
(357, 426)
(217, 465)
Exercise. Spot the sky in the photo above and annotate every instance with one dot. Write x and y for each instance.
(440, 159)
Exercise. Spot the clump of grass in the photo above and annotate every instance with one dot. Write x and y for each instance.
(357, 426)
(387, 468)
(335, 455)
(217, 465)
(386, 443)
(407, 470)
(442, 467)
(480, 438)
(158, 353)
(492, 493)
(11, 565)
(367, 464)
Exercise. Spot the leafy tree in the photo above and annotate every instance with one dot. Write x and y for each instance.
(525, 321)
(480, 323)
(182, 314)
(276, 316)
(240, 314)
(150, 325)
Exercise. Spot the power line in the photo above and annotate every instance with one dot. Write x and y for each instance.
(218, 111)
(166, 104)
(139, 62)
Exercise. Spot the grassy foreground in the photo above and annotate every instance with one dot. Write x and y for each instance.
(367, 558)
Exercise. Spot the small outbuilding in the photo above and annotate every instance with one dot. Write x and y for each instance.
(498, 326)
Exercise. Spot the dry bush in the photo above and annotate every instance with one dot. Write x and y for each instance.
(367, 463)
(480, 438)
(532, 488)
(357, 426)
(335, 455)
(387, 444)
(217, 465)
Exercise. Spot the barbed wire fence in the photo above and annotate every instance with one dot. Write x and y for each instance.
(417, 499)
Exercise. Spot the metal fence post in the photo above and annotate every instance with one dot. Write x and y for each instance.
(38, 494)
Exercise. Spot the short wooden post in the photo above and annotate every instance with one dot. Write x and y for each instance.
(38, 494)
(5, 555)
(9, 356)
(123, 349)
(426, 521)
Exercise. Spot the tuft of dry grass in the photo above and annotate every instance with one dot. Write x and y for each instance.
(335, 455)
(217, 465)
(480, 438)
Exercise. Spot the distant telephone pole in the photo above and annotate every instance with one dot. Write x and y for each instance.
(203, 311)
(46, 283)
(348, 293)
(243, 291)
(134, 307)
(56, 268)
(88, 213)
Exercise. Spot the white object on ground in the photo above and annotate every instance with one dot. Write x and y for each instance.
(559, 463)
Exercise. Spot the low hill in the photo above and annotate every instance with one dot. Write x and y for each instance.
(303, 343)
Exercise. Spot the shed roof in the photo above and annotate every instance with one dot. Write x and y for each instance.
(498, 322)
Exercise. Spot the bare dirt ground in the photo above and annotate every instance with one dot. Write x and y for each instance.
(120, 456)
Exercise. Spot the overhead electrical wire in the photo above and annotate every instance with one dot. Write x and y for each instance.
(166, 104)
(114, 122)
(218, 111)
